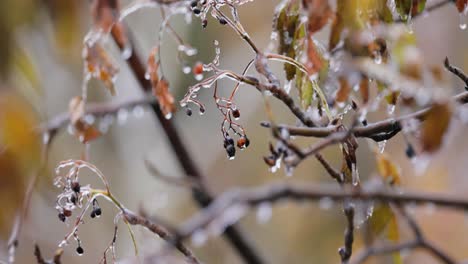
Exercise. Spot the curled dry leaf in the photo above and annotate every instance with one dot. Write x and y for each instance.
(83, 130)
(105, 14)
(99, 65)
(435, 126)
(160, 86)
(165, 98)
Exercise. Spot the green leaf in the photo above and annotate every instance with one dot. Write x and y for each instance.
(287, 25)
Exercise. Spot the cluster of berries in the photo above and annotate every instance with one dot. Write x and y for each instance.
(242, 143)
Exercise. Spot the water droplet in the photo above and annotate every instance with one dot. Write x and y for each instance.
(462, 23)
(168, 116)
(186, 69)
(89, 119)
(138, 111)
(127, 52)
(355, 175)
(382, 145)
(378, 58)
(147, 75)
(122, 116)
(198, 77)
(199, 238)
(45, 138)
(391, 109)
(264, 212)
(274, 35)
(287, 86)
(326, 203)
(70, 129)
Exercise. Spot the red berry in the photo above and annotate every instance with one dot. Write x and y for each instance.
(198, 68)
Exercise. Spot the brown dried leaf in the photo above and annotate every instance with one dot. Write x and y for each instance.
(86, 132)
(319, 12)
(435, 126)
(105, 14)
(165, 98)
(99, 65)
(344, 90)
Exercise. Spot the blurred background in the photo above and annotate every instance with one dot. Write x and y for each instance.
(40, 55)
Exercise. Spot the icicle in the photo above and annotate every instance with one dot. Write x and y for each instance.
(264, 212)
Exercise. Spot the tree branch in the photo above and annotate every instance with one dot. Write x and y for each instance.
(201, 195)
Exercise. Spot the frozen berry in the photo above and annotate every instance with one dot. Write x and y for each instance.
(231, 151)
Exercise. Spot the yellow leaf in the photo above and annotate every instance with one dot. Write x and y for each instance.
(20, 149)
(434, 127)
(388, 170)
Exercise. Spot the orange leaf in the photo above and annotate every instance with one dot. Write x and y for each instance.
(319, 12)
(153, 66)
(100, 65)
(165, 98)
(344, 90)
(435, 126)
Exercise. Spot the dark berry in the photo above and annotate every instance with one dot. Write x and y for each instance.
(73, 199)
(194, 4)
(196, 11)
(62, 217)
(98, 211)
(236, 113)
(222, 21)
(231, 151)
(204, 23)
(67, 213)
(79, 250)
(188, 111)
(93, 214)
(410, 153)
(76, 187)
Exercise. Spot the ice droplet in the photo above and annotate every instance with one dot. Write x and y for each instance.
(462, 23)
(287, 86)
(186, 69)
(382, 145)
(168, 116)
(264, 212)
(326, 203)
(198, 77)
(391, 109)
(138, 111)
(122, 116)
(199, 238)
(127, 52)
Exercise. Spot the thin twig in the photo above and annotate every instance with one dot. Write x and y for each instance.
(457, 71)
